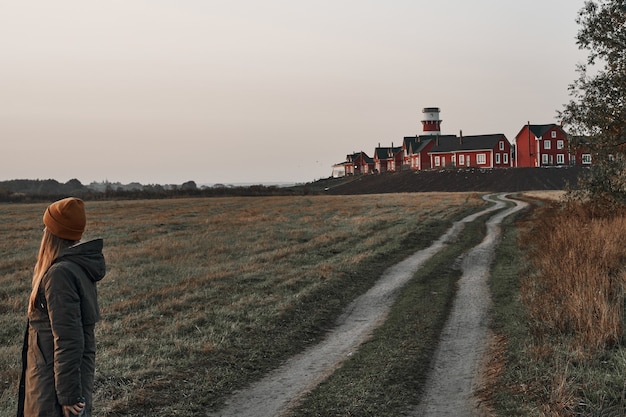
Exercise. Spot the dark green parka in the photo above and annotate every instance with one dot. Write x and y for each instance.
(58, 357)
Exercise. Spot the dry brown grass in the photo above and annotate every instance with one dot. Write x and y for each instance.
(574, 299)
(580, 281)
(549, 195)
(202, 295)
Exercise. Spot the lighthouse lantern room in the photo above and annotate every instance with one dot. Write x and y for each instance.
(431, 123)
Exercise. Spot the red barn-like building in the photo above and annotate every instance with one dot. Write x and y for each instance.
(544, 145)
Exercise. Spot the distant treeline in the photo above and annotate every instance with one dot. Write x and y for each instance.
(49, 190)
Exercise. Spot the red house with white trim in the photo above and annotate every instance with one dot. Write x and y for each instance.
(479, 151)
(355, 164)
(546, 145)
(388, 159)
(360, 163)
(415, 152)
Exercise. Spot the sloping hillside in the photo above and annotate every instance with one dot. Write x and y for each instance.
(481, 180)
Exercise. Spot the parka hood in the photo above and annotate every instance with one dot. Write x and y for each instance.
(89, 256)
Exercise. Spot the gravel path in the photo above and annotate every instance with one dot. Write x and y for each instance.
(278, 391)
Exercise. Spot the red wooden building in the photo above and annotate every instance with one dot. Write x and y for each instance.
(355, 164)
(546, 145)
(415, 152)
(481, 151)
(388, 159)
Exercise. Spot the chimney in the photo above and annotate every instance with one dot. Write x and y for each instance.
(460, 137)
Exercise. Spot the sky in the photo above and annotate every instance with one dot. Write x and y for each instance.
(248, 91)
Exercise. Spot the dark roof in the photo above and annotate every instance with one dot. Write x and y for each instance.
(417, 143)
(466, 143)
(383, 152)
(354, 156)
(540, 130)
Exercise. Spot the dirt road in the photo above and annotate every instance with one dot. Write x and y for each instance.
(455, 374)
(277, 392)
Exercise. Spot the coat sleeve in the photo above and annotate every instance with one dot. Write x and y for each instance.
(63, 299)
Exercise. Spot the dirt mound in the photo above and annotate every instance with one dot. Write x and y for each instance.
(457, 180)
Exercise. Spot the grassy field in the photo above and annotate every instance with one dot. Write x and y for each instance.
(205, 295)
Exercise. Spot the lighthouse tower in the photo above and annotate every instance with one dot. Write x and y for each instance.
(431, 124)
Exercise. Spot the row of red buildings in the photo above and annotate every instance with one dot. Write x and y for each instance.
(534, 146)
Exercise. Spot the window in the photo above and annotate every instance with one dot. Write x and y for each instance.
(461, 159)
(586, 158)
(497, 158)
(560, 158)
(553, 133)
(480, 159)
(505, 158)
(501, 145)
(560, 144)
(547, 144)
(437, 161)
(544, 159)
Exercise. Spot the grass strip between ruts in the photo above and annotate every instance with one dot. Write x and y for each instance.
(386, 375)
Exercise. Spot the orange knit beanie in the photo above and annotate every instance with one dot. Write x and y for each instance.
(66, 218)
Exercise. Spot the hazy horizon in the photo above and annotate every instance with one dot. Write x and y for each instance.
(164, 92)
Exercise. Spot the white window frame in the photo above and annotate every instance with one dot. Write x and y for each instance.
(497, 158)
(560, 144)
(553, 134)
(437, 161)
(501, 145)
(544, 159)
(586, 158)
(560, 158)
(547, 144)
(505, 158)
(461, 160)
(481, 159)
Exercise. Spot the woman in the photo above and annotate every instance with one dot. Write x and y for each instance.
(58, 358)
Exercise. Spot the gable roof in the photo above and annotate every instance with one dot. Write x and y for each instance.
(353, 157)
(539, 130)
(451, 143)
(416, 144)
(383, 152)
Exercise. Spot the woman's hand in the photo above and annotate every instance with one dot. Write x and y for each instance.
(73, 410)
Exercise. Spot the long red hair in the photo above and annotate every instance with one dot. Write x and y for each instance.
(49, 250)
